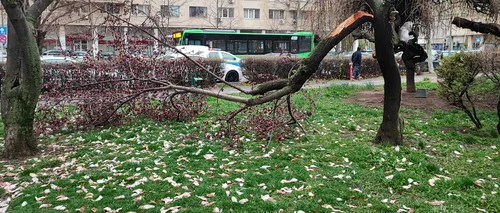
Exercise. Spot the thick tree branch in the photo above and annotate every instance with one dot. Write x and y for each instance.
(489, 28)
(37, 9)
(309, 65)
(363, 34)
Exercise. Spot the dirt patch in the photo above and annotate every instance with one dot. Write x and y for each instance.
(408, 100)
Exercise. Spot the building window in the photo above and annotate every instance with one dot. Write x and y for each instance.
(112, 8)
(83, 12)
(141, 9)
(197, 12)
(170, 11)
(226, 12)
(251, 13)
(276, 14)
(293, 14)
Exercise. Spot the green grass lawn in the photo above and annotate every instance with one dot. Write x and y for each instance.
(146, 166)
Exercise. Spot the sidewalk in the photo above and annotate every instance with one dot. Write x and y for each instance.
(319, 84)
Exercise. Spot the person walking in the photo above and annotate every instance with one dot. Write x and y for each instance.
(356, 64)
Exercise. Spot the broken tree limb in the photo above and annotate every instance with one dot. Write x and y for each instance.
(488, 28)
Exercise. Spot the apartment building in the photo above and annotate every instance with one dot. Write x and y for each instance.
(86, 25)
(92, 25)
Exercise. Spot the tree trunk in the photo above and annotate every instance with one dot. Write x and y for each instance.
(410, 76)
(498, 113)
(20, 93)
(410, 80)
(40, 37)
(430, 59)
(390, 130)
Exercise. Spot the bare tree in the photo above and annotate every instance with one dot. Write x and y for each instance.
(221, 14)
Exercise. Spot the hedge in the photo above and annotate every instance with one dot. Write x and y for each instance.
(179, 72)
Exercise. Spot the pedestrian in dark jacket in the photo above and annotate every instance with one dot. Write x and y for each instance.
(356, 63)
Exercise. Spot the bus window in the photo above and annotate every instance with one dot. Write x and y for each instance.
(255, 46)
(295, 46)
(279, 46)
(268, 46)
(237, 46)
(219, 44)
(304, 44)
(194, 42)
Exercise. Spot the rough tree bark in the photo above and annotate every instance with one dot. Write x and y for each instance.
(488, 28)
(23, 79)
(410, 76)
(390, 130)
(498, 113)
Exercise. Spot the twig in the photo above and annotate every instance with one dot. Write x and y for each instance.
(130, 97)
(293, 119)
(173, 104)
(237, 112)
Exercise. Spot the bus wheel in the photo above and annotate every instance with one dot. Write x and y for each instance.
(232, 76)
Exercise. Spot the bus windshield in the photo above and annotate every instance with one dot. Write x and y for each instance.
(240, 44)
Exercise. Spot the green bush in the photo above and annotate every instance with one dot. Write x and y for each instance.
(457, 77)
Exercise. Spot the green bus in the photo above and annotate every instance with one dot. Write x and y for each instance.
(242, 44)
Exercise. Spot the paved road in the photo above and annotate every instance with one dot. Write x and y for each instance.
(312, 84)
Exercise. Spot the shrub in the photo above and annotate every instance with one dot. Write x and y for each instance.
(96, 93)
(457, 76)
(260, 69)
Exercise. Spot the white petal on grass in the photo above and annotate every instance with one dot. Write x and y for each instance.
(481, 210)
(267, 198)
(433, 180)
(171, 209)
(147, 206)
(61, 198)
(407, 186)
(436, 202)
(24, 204)
(243, 201)
(60, 208)
(327, 206)
(234, 199)
(45, 205)
(99, 198)
(120, 197)
(209, 157)
(389, 177)
(167, 200)
(293, 180)
(217, 210)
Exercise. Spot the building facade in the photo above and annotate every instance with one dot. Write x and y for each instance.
(94, 26)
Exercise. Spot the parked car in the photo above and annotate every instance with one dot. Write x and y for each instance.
(56, 60)
(53, 53)
(80, 55)
(231, 72)
(223, 55)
